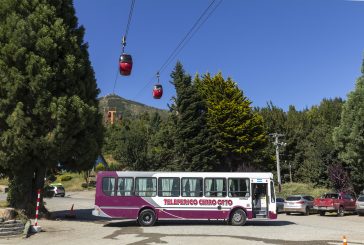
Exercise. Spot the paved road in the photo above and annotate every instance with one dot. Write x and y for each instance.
(288, 230)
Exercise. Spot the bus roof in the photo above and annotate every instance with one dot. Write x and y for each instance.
(265, 175)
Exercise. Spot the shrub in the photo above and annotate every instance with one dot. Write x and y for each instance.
(301, 188)
(100, 167)
(66, 177)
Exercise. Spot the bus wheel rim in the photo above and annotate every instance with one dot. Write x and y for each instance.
(147, 218)
(237, 217)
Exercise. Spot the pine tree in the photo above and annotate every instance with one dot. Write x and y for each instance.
(238, 131)
(349, 135)
(193, 139)
(48, 95)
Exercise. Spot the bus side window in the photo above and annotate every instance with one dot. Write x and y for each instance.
(191, 187)
(168, 187)
(125, 186)
(239, 187)
(108, 186)
(215, 187)
(146, 187)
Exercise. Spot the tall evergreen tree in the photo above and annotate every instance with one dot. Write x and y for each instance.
(48, 95)
(193, 139)
(349, 135)
(274, 119)
(318, 146)
(238, 131)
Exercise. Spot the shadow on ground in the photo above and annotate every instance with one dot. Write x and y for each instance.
(133, 223)
(80, 215)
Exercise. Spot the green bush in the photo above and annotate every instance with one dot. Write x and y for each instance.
(99, 167)
(300, 188)
(66, 177)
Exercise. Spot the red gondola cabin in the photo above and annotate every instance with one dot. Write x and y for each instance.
(157, 91)
(125, 64)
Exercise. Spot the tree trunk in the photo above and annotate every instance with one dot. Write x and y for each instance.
(20, 190)
(23, 190)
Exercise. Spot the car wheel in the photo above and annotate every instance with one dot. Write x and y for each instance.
(62, 195)
(322, 213)
(147, 217)
(288, 213)
(238, 217)
(340, 212)
(360, 214)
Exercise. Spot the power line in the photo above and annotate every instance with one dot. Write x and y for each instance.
(192, 31)
(278, 144)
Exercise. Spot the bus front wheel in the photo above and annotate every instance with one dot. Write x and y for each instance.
(146, 217)
(238, 217)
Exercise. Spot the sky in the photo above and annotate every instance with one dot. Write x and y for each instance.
(289, 52)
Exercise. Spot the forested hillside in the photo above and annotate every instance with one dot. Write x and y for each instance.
(211, 126)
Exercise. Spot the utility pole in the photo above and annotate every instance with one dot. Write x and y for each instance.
(277, 145)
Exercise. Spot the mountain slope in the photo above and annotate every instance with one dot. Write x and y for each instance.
(126, 108)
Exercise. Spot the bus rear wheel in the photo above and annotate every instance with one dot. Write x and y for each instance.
(238, 217)
(146, 217)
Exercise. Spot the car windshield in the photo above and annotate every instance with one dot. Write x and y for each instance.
(293, 198)
(361, 199)
(331, 195)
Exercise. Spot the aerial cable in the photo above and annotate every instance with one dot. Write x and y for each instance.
(185, 37)
(123, 42)
(193, 30)
(128, 25)
(116, 78)
(190, 37)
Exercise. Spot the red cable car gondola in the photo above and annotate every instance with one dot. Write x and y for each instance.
(157, 89)
(125, 64)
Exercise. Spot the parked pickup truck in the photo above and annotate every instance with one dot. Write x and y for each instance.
(334, 202)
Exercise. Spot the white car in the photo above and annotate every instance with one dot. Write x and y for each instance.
(360, 205)
(57, 189)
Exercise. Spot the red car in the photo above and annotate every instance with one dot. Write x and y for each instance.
(335, 203)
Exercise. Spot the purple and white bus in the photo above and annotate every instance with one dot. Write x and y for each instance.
(151, 196)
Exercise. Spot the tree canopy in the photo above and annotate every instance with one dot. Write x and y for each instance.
(349, 135)
(48, 95)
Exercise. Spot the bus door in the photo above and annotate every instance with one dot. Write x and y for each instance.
(260, 198)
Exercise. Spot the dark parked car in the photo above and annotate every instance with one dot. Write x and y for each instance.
(279, 205)
(299, 204)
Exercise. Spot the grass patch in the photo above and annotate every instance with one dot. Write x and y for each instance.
(4, 181)
(4, 204)
(300, 188)
(73, 184)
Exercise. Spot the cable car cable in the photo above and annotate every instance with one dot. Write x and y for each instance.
(183, 42)
(195, 31)
(124, 38)
(116, 78)
(128, 25)
(185, 37)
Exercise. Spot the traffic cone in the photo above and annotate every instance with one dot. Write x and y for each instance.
(71, 213)
(344, 241)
